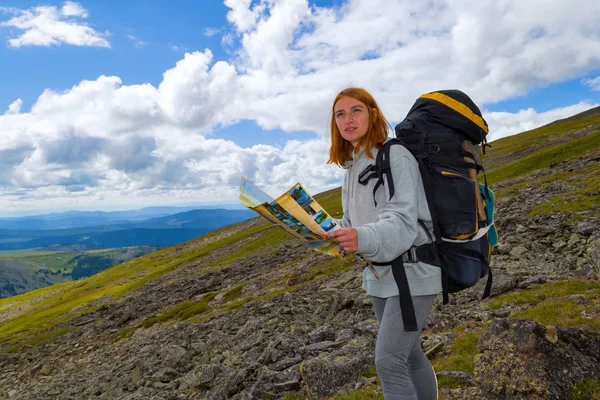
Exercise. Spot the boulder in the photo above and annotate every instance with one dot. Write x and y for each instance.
(270, 383)
(327, 373)
(521, 359)
(323, 333)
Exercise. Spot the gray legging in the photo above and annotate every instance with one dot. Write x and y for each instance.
(404, 370)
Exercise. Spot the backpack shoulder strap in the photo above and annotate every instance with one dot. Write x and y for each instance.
(379, 169)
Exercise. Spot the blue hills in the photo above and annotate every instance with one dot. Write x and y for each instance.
(100, 230)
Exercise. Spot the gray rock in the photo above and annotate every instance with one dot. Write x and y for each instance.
(323, 333)
(319, 347)
(285, 363)
(368, 326)
(503, 283)
(166, 375)
(518, 251)
(559, 244)
(271, 382)
(466, 378)
(521, 359)
(531, 281)
(345, 335)
(202, 379)
(327, 373)
(587, 228)
(439, 341)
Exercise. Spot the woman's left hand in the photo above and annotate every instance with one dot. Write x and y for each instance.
(347, 238)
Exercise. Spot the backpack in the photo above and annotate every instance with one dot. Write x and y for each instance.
(443, 130)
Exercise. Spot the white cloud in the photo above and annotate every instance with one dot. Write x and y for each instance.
(177, 47)
(241, 15)
(503, 124)
(227, 41)
(195, 93)
(142, 144)
(73, 9)
(211, 31)
(267, 46)
(15, 107)
(137, 42)
(594, 83)
(48, 25)
(291, 49)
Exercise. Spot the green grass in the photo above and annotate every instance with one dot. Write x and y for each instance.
(51, 260)
(584, 193)
(44, 337)
(460, 356)
(234, 293)
(371, 373)
(367, 393)
(553, 304)
(271, 239)
(331, 201)
(15, 301)
(545, 157)
(181, 311)
(294, 396)
(537, 138)
(587, 389)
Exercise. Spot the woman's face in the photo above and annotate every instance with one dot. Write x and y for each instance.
(351, 118)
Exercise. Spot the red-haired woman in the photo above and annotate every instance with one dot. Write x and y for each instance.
(380, 231)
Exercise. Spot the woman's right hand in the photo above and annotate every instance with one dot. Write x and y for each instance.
(347, 238)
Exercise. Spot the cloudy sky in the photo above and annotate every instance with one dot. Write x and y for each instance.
(114, 105)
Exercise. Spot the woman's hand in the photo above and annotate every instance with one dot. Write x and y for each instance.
(347, 238)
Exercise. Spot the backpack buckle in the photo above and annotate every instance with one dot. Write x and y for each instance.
(410, 256)
(434, 148)
(361, 177)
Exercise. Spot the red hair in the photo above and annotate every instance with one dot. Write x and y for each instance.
(341, 149)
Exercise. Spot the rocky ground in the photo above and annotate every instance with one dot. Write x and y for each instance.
(315, 335)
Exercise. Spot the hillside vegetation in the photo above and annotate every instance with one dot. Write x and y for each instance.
(24, 270)
(242, 301)
(533, 159)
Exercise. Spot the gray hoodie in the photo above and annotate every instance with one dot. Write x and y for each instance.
(389, 229)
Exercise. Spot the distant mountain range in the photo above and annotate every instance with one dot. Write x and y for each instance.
(78, 219)
(87, 230)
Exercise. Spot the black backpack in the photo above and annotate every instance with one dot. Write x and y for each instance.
(443, 130)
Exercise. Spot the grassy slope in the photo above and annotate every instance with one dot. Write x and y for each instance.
(29, 318)
(62, 263)
(540, 150)
(34, 259)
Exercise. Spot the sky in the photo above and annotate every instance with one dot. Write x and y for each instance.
(109, 105)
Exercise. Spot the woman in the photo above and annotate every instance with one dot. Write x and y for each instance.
(380, 231)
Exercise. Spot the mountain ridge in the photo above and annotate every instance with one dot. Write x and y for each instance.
(197, 222)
